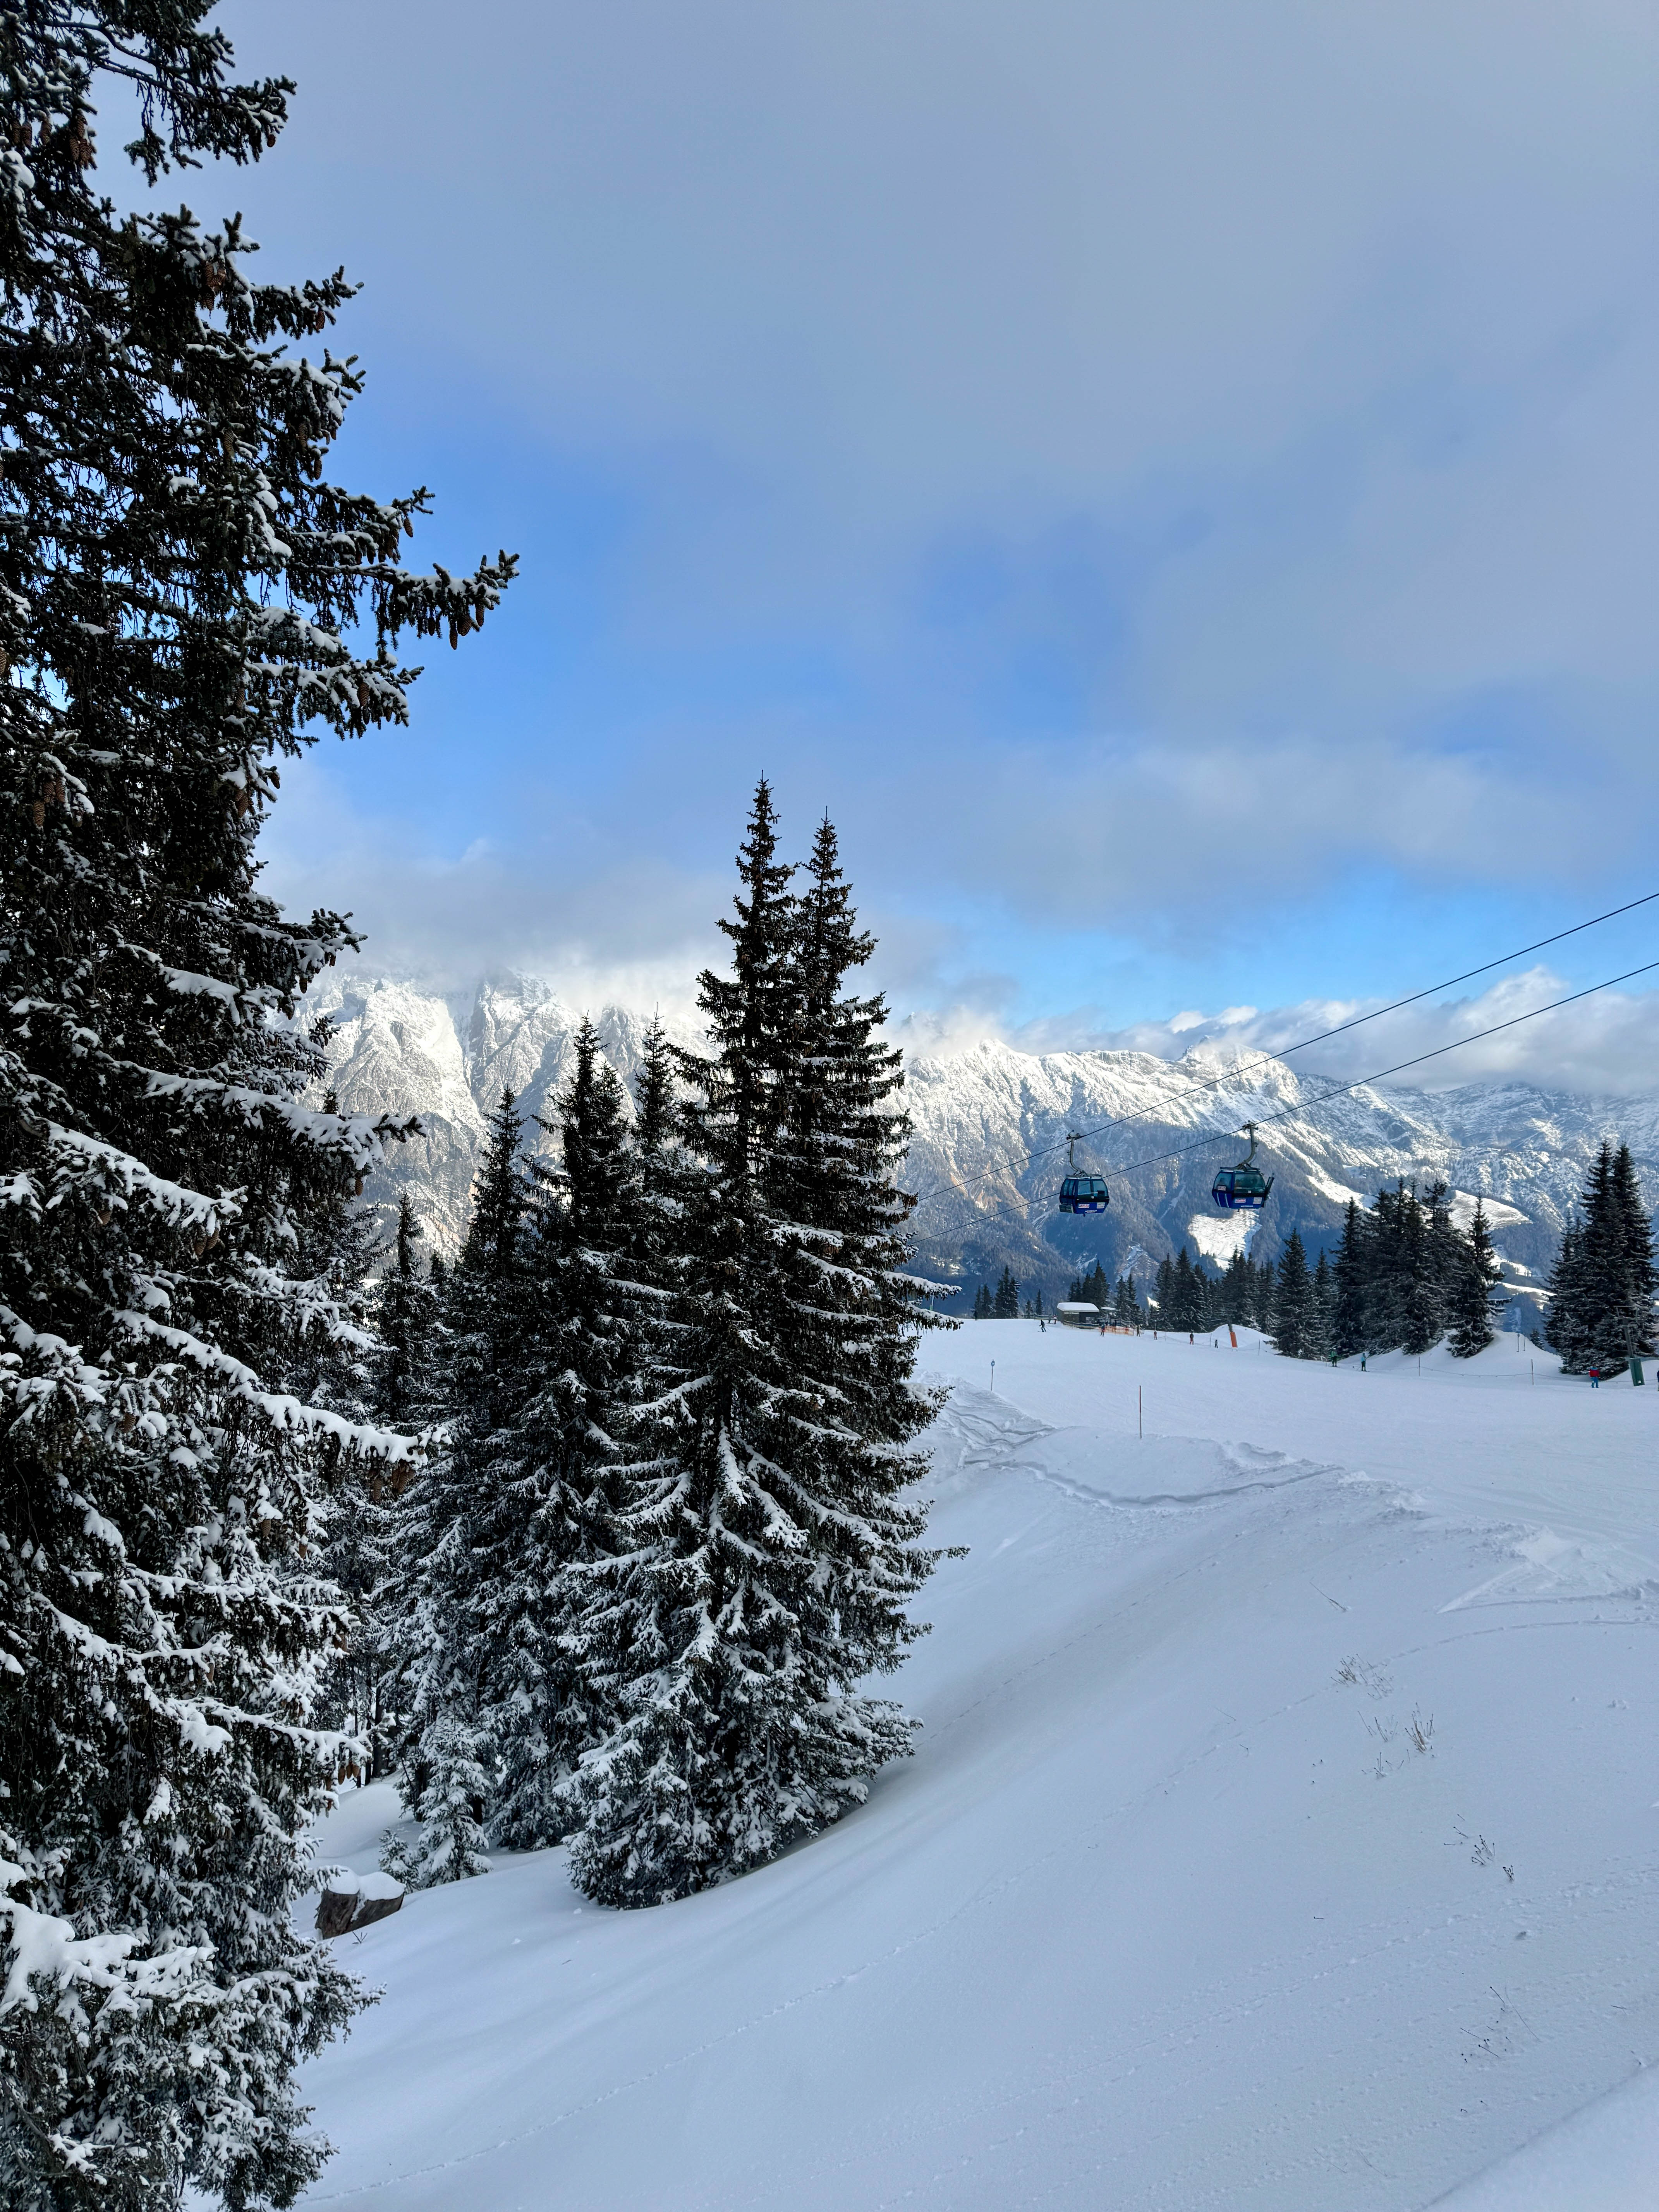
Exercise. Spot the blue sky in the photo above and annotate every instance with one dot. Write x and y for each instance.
(1179, 483)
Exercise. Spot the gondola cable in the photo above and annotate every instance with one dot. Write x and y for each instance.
(1264, 1060)
(1342, 1091)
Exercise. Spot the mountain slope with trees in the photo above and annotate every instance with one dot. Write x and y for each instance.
(1525, 1152)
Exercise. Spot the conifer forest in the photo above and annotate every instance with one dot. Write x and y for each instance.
(875, 1736)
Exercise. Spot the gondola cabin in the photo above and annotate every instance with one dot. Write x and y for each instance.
(1241, 1187)
(1244, 1186)
(1082, 1193)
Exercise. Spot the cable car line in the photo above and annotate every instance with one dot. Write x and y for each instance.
(1246, 1068)
(1342, 1091)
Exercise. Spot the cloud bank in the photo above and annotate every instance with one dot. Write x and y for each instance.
(1146, 471)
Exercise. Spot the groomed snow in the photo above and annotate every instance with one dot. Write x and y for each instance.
(1171, 1909)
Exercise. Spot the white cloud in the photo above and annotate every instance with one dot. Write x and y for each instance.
(1211, 451)
(632, 933)
(1280, 376)
(1605, 1045)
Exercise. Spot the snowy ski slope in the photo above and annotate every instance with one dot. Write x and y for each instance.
(1282, 1838)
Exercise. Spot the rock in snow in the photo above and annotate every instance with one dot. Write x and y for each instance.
(349, 1901)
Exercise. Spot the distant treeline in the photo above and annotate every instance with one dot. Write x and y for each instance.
(1404, 1277)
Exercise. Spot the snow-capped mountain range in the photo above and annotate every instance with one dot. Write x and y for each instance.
(991, 1125)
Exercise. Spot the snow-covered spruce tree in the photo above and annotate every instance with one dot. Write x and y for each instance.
(408, 1322)
(1350, 1328)
(324, 1349)
(179, 587)
(653, 1093)
(1419, 1278)
(1322, 1311)
(649, 1234)
(1294, 1299)
(1564, 1327)
(1618, 1261)
(855, 1312)
(542, 1705)
(1470, 1306)
(770, 1553)
(1267, 1296)
(1640, 1279)
(1233, 1292)
(1384, 1247)
(455, 1527)
(448, 1802)
(1602, 1286)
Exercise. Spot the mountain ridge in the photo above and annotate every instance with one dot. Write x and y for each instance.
(990, 1128)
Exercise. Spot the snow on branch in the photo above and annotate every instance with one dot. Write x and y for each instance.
(43, 1948)
(360, 1135)
(281, 1410)
(310, 1302)
(189, 985)
(20, 1190)
(179, 1204)
(63, 1365)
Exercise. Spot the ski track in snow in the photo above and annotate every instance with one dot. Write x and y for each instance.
(1169, 1912)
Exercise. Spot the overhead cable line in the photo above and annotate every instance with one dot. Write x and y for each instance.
(1239, 1072)
(1341, 1090)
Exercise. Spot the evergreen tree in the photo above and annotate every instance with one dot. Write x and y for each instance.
(1601, 1312)
(648, 1229)
(1565, 1325)
(1235, 1295)
(1293, 1300)
(983, 1308)
(654, 1094)
(1639, 1282)
(1447, 1248)
(561, 1459)
(1125, 1308)
(463, 1521)
(449, 1805)
(1266, 1296)
(1385, 1292)
(1184, 1307)
(1321, 1312)
(1351, 1287)
(771, 1551)
(1004, 1304)
(1471, 1306)
(180, 592)
(1418, 1299)
(407, 1320)
(322, 1347)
